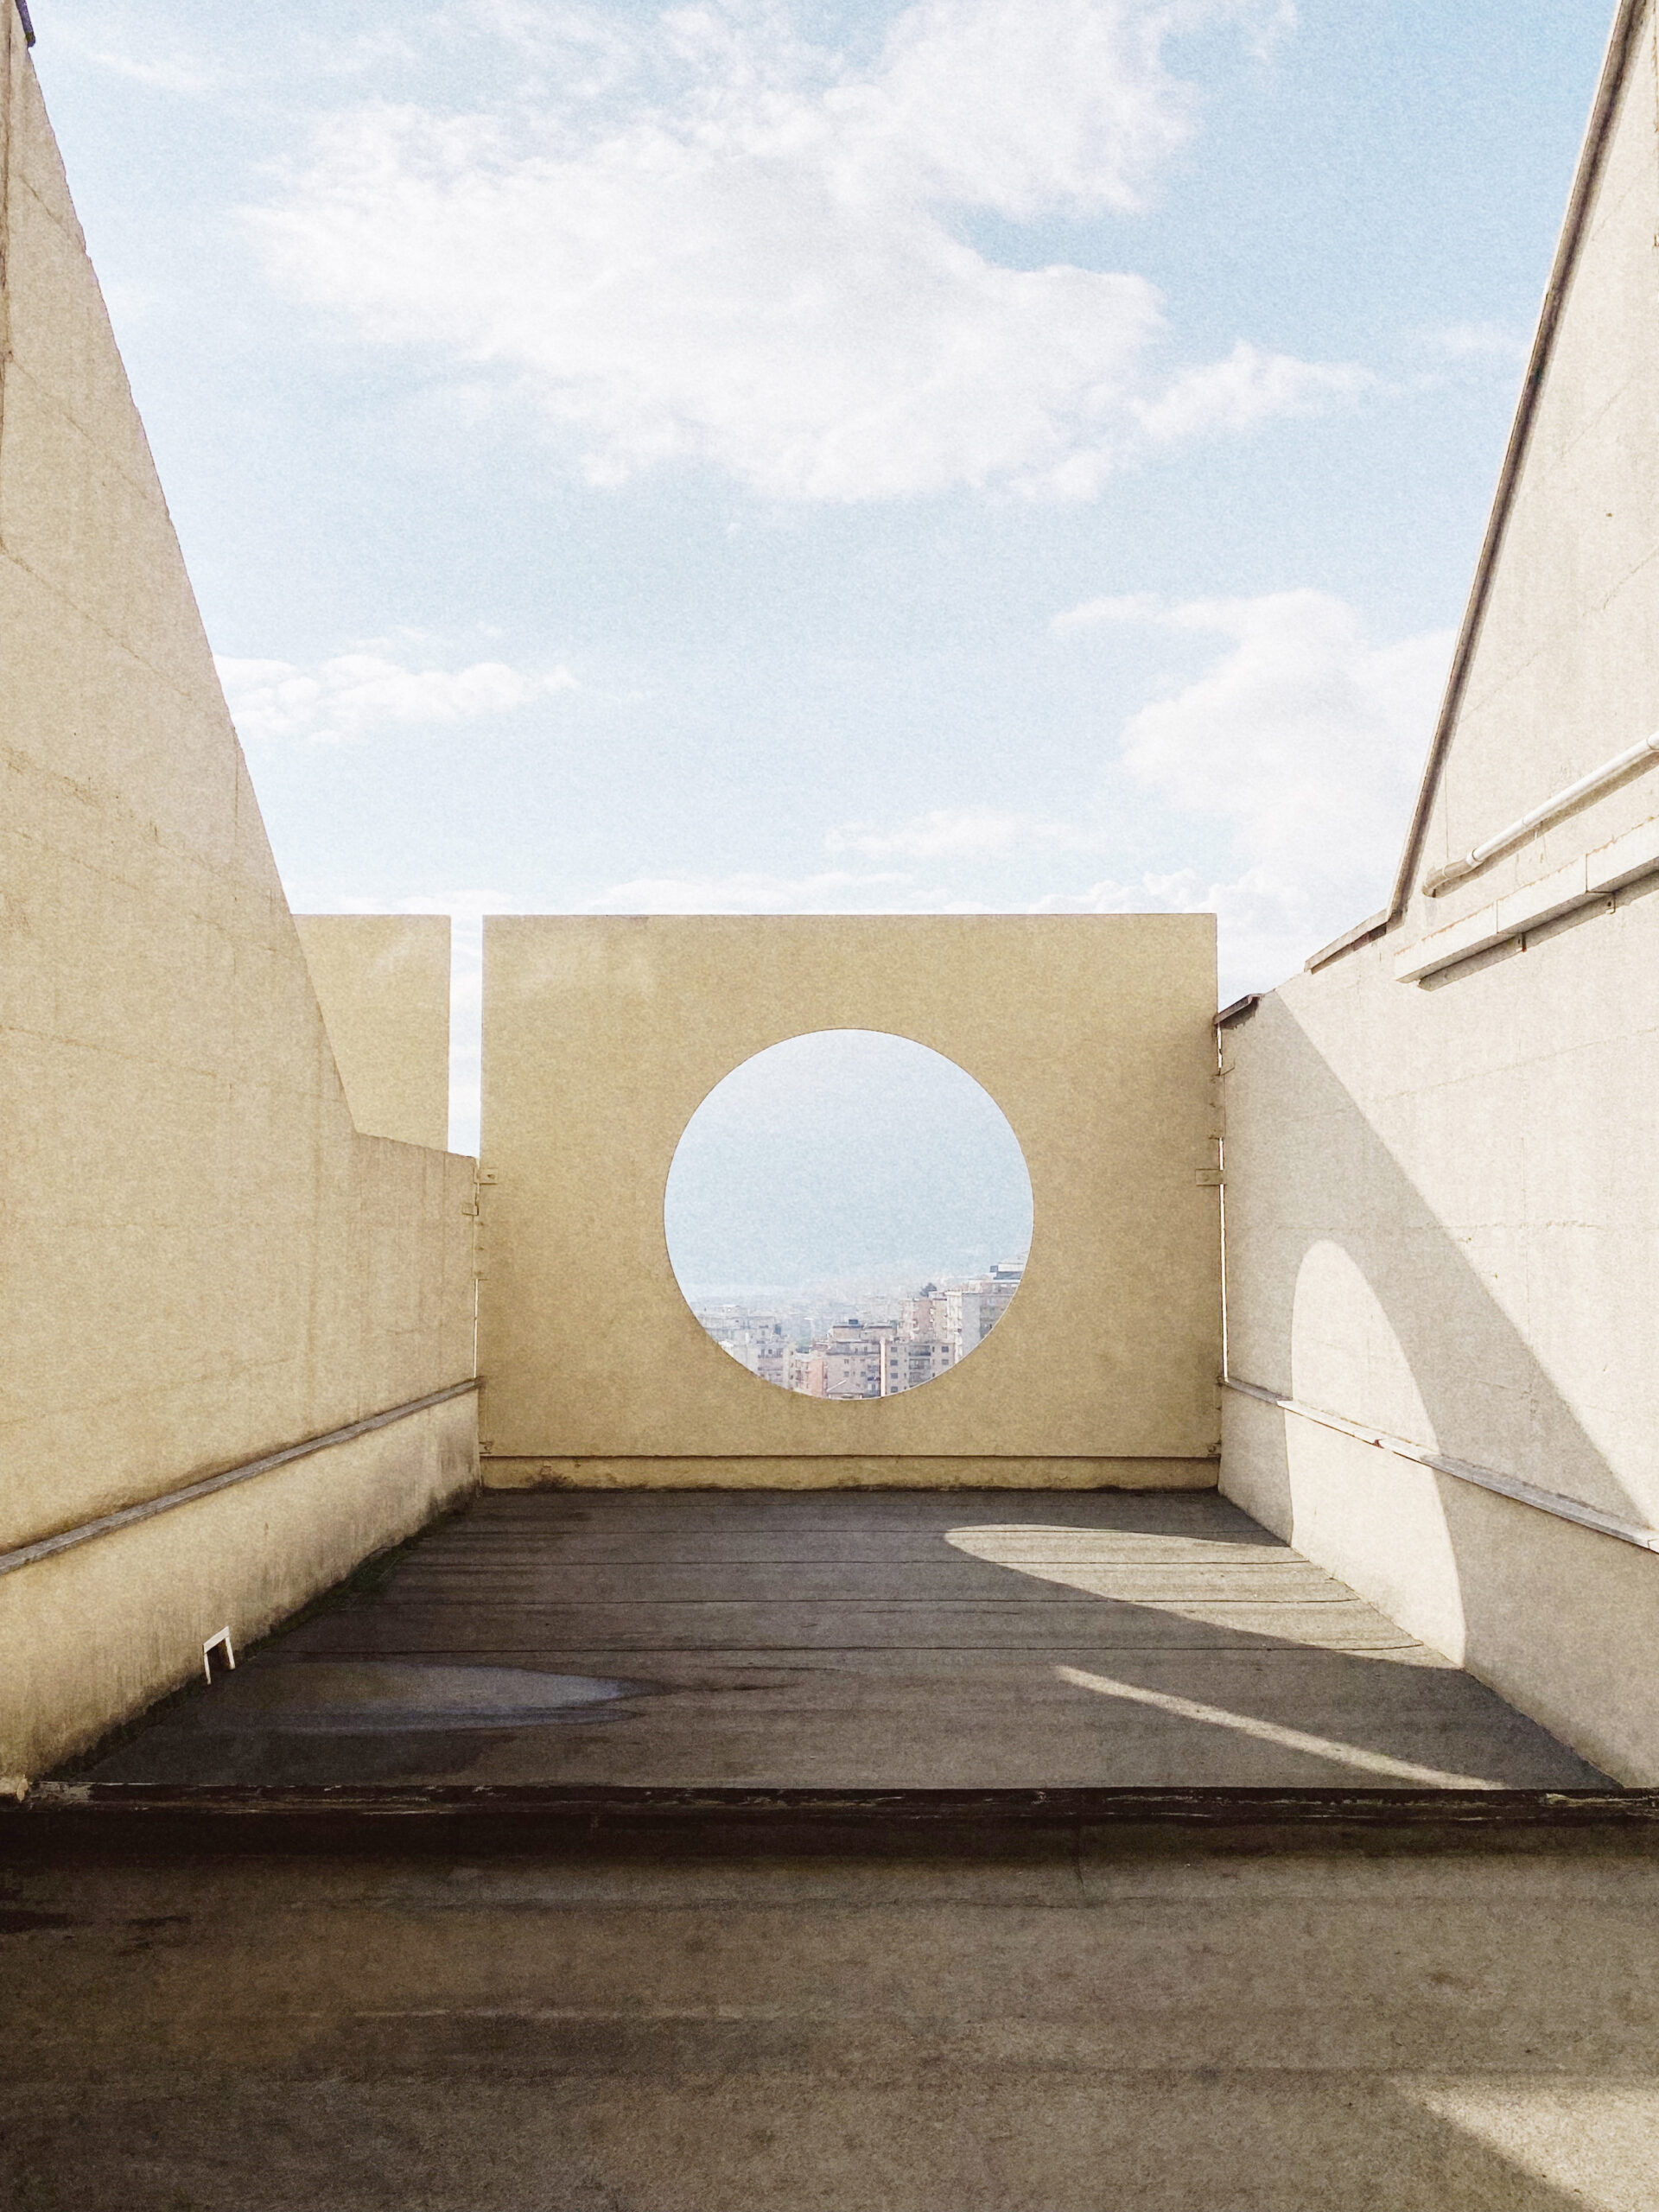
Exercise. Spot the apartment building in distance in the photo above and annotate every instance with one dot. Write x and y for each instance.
(876, 1357)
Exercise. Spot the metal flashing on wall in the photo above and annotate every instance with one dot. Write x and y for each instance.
(1582, 883)
(1463, 1471)
(107, 1523)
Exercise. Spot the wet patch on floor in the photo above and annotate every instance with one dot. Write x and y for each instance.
(388, 1696)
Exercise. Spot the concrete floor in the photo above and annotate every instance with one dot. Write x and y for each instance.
(476, 2003)
(1189, 2027)
(858, 1640)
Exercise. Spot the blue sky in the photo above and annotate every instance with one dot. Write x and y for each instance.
(986, 454)
(844, 1161)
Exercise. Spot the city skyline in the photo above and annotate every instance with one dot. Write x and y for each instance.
(876, 1354)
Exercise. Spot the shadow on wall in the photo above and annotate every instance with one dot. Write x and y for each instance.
(1348, 1292)
(1471, 1372)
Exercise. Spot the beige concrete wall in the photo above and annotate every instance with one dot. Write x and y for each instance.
(383, 983)
(602, 1037)
(201, 1260)
(1442, 1209)
(91, 1632)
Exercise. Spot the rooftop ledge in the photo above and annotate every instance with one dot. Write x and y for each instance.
(1580, 883)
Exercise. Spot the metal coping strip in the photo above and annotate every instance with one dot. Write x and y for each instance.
(107, 1523)
(1463, 1471)
(22, 17)
(393, 1814)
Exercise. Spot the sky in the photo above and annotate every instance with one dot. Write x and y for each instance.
(844, 1161)
(976, 456)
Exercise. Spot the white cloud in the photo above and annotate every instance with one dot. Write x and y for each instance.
(705, 238)
(1249, 387)
(1302, 740)
(1306, 740)
(967, 832)
(1266, 927)
(355, 694)
(830, 890)
(1304, 736)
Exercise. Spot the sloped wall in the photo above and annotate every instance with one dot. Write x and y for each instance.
(383, 982)
(1442, 1206)
(203, 1262)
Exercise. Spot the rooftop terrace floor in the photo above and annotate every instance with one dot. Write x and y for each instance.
(845, 1640)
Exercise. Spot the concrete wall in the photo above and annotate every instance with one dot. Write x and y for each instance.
(1442, 1207)
(201, 1261)
(602, 1037)
(383, 983)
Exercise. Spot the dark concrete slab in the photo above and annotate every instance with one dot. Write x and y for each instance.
(847, 1640)
(1148, 2032)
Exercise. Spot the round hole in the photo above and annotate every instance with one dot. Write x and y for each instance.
(848, 1214)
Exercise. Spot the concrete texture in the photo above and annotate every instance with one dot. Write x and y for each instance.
(203, 1261)
(134, 1607)
(1045, 2028)
(1442, 1219)
(383, 983)
(877, 1641)
(602, 1037)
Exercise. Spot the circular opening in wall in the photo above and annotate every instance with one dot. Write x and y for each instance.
(849, 1214)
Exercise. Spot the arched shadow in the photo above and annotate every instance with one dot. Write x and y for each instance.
(1469, 1363)
(1306, 1166)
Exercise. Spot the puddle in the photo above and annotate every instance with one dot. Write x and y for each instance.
(380, 1697)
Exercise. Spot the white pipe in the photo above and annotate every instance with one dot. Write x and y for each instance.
(1441, 878)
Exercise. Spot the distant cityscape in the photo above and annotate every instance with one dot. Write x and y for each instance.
(891, 1344)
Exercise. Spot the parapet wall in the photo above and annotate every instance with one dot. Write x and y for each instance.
(603, 1035)
(203, 1261)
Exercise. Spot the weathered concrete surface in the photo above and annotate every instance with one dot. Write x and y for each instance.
(383, 983)
(90, 1635)
(603, 1035)
(1143, 2030)
(1442, 1215)
(897, 1641)
(203, 1262)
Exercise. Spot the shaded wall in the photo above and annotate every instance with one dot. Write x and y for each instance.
(1442, 1208)
(203, 1262)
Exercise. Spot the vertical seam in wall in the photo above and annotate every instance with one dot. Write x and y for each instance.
(7, 65)
(1221, 1221)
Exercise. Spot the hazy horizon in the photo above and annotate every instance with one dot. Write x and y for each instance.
(842, 1164)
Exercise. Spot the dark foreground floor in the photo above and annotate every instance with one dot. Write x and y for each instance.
(899, 1639)
(390, 1999)
(1183, 2026)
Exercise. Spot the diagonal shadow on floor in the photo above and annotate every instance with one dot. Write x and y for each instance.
(890, 1639)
